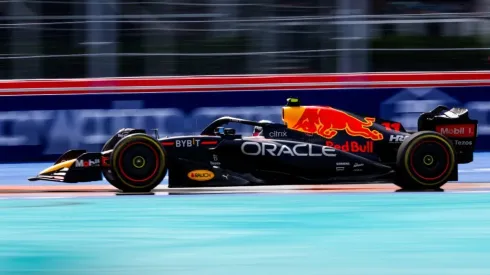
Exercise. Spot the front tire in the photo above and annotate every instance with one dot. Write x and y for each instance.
(425, 161)
(137, 164)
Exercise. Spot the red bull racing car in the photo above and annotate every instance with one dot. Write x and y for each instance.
(313, 145)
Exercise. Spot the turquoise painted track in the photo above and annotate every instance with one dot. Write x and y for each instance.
(288, 234)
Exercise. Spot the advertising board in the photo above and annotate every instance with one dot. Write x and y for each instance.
(40, 119)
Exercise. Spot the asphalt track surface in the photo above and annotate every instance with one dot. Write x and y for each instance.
(47, 228)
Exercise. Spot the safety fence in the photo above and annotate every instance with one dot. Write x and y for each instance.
(109, 38)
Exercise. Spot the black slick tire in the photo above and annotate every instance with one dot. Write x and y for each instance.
(425, 161)
(138, 164)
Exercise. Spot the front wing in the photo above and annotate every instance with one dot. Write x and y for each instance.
(73, 166)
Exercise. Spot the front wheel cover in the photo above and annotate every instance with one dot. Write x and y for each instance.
(425, 160)
(138, 162)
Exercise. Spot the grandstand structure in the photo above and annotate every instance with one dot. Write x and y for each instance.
(106, 38)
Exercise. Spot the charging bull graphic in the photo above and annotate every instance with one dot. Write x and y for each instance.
(327, 122)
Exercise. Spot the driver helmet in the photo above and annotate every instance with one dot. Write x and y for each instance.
(258, 129)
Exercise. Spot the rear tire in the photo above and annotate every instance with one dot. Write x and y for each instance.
(425, 161)
(137, 164)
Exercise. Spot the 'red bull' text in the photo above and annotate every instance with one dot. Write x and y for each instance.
(352, 146)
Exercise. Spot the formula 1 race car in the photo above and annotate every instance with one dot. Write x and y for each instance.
(313, 145)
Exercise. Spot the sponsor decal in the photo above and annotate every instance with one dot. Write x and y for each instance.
(463, 142)
(358, 167)
(278, 134)
(339, 169)
(200, 175)
(87, 163)
(353, 146)
(398, 138)
(215, 161)
(225, 176)
(457, 130)
(105, 161)
(343, 163)
(251, 148)
(328, 121)
(187, 142)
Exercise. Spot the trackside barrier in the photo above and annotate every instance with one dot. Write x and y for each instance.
(39, 119)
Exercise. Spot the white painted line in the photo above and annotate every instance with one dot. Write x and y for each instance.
(474, 170)
(471, 191)
(482, 169)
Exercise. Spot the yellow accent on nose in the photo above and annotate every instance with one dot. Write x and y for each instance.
(56, 167)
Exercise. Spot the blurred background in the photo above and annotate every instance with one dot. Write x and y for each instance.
(107, 38)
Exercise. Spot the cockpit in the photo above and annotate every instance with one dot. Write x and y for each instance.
(291, 112)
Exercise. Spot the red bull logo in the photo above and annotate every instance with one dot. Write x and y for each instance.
(327, 122)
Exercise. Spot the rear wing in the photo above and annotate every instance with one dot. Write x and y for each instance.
(455, 124)
(73, 166)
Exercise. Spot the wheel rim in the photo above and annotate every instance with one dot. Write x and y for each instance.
(138, 162)
(430, 160)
